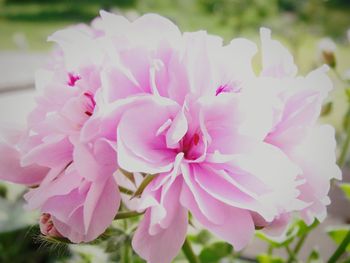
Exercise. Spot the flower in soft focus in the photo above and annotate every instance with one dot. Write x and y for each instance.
(236, 149)
(295, 131)
(327, 49)
(73, 179)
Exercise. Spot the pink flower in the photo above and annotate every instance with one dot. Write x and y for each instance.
(234, 149)
(295, 131)
(83, 197)
(74, 183)
(204, 165)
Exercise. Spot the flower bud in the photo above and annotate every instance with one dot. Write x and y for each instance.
(47, 227)
(327, 48)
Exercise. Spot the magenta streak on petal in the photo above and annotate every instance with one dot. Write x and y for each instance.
(222, 88)
(91, 97)
(92, 101)
(72, 79)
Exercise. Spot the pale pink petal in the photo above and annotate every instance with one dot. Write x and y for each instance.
(61, 183)
(317, 159)
(267, 163)
(279, 226)
(101, 206)
(220, 119)
(211, 208)
(95, 162)
(12, 171)
(220, 186)
(141, 150)
(49, 154)
(237, 227)
(114, 24)
(197, 52)
(165, 245)
(276, 59)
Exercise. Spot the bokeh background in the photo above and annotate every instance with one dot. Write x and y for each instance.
(302, 25)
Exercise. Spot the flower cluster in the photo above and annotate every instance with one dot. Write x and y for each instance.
(236, 149)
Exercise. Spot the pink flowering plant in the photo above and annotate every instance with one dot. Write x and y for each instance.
(171, 133)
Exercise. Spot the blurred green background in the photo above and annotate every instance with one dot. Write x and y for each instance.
(25, 24)
(299, 24)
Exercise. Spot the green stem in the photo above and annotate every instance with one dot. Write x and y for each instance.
(338, 76)
(341, 249)
(125, 190)
(124, 215)
(300, 243)
(188, 251)
(126, 255)
(128, 175)
(143, 185)
(290, 254)
(270, 250)
(293, 256)
(345, 148)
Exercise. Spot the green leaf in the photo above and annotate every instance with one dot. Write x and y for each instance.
(327, 109)
(345, 187)
(215, 252)
(347, 92)
(265, 258)
(3, 191)
(291, 234)
(314, 257)
(338, 234)
(203, 237)
(297, 229)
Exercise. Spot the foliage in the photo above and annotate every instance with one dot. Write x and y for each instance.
(338, 234)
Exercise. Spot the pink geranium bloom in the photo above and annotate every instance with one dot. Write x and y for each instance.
(204, 165)
(74, 184)
(295, 130)
(234, 149)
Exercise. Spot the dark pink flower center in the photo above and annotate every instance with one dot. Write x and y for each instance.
(191, 146)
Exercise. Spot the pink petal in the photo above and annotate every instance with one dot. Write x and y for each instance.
(237, 227)
(101, 206)
(62, 182)
(317, 159)
(221, 187)
(12, 171)
(165, 245)
(276, 59)
(210, 207)
(49, 154)
(98, 161)
(141, 150)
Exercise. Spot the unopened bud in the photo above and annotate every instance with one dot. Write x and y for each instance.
(47, 227)
(327, 48)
